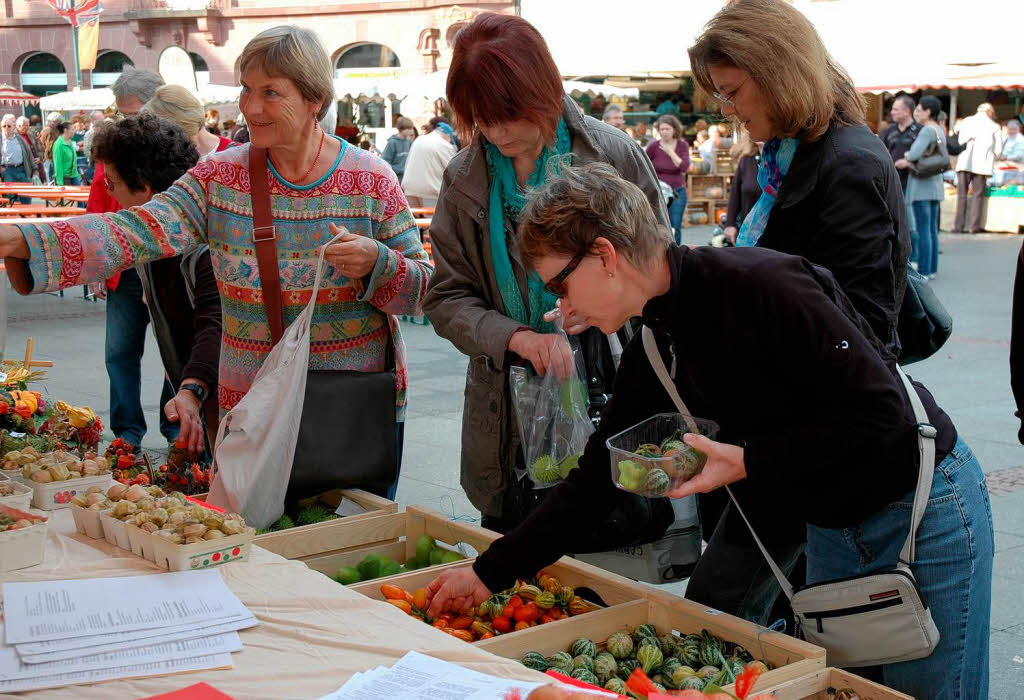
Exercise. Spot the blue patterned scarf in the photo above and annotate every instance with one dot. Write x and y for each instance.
(776, 158)
(507, 197)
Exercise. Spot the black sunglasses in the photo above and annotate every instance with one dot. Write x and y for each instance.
(556, 285)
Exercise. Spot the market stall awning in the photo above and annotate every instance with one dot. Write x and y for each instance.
(640, 42)
(101, 98)
(432, 86)
(74, 100)
(10, 95)
(925, 49)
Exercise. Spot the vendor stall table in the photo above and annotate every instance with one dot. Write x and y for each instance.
(29, 211)
(313, 634)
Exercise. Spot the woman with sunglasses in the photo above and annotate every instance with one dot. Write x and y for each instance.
(819, 412)
(504, 87)
(831, 194)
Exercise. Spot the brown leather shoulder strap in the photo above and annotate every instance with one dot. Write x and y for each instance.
(265, 240)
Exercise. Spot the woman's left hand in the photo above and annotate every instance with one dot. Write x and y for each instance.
(725, 465)
(355, 256)
(902, 164)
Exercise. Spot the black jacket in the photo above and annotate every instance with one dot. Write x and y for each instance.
(768, 347)
(841, 207)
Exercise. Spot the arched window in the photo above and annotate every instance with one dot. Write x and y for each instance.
(367, 55)
(109, 65)
(202, 70)
(43, 74)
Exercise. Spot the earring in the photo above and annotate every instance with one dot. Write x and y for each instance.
(610, 275)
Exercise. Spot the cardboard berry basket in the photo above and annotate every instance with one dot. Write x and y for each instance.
(205, 554)
(25, 547)
(816, 686)
(58, 494)
(395, 536)
(87, 521)
(335, 535)
(21, 498)
(789, 658)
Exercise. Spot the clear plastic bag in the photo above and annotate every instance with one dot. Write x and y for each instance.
(554, 420)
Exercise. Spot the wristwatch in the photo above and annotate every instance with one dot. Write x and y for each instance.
(198, 389)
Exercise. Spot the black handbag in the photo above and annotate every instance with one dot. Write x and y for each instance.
(923, 325)
(347, 435)
(934, 162)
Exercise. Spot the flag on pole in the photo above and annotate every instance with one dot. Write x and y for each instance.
(88, 43)
(77, 12)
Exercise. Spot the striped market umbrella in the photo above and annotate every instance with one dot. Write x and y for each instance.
(13, 96)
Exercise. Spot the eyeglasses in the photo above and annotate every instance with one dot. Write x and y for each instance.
(556, 285)
(728, 100)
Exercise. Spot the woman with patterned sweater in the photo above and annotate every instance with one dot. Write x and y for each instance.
(318, 185)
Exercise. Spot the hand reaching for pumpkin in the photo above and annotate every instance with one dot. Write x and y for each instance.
(455, 591)
(725, 465)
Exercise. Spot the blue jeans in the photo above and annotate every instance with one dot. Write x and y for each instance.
(400, 441)
(675, 213)
(127, 318)
(926, 214)
(953, 569)
(16, 173)
(912, 225)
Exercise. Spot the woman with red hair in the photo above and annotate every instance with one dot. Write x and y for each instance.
(507, 97)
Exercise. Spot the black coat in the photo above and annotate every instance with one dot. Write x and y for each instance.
(767, 346)
(841, 207)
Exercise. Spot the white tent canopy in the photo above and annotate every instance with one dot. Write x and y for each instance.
(101, 98)
(884, 45)
(431, 86)
(641, 43)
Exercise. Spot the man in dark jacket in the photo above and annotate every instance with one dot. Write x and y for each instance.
(898, 138)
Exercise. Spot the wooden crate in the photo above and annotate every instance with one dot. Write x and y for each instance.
(379, 524)
(791, 657)
(724, 164)
(405, 528)
(608, 589)
(697, 186)
(815, 686)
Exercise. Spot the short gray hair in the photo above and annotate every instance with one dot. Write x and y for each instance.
(577, 205)
(7, 118)
(133, 82)
(611, 108)
(297, 54)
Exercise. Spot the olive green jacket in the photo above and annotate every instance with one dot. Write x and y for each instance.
(464, 304)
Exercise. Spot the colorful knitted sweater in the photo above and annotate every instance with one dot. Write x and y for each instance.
(211, 203)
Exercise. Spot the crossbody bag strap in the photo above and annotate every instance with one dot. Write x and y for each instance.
(658, 364)
(926, 468)
(264, 238)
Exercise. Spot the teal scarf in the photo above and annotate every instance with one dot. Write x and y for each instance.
(507, 197)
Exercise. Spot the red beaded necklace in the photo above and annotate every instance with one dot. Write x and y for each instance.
(316, 160)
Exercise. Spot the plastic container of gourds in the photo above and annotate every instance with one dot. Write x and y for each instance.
(651, 459)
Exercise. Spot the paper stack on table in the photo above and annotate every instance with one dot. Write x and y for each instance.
(86, 630)
(418, 677)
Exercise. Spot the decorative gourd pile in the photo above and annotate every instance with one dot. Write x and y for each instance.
(525, 605)
(53, 466)
(655, 477)
(690, 662)
(6, 488)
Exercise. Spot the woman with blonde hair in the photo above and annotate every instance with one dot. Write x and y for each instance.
(312, 187)
(831, 194)
(180, 106)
